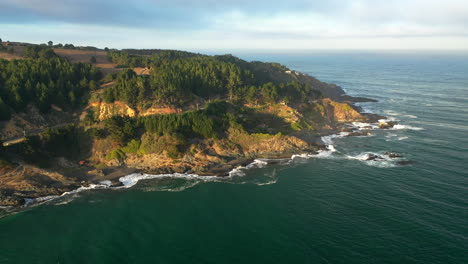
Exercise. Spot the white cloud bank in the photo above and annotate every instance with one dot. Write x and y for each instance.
(338, 24)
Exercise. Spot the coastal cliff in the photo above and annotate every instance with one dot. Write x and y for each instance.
(190, 113)
(154, 154)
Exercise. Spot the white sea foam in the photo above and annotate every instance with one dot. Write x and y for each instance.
(106, 182)
(365, 126)
(320, 154)
(257, 163)
(30, 201)
(393, 137)
(363, 156)
(132, 179)
(388, 119)
(323, 153)
(267, 182)
(405, 127)
(391, 112)
(239, 172)
(328, 140)
(40, 200)
(301, 156)
(382, 162)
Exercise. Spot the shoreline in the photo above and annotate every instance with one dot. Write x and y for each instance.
(89, 177)
(123, 177)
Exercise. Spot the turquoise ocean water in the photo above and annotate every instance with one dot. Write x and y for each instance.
(334, 208)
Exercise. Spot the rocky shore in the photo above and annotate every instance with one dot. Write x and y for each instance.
(20, 181)
(23, 182)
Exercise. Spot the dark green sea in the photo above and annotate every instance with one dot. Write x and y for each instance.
(331, 208)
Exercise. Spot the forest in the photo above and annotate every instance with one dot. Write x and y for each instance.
(179, 77)
(43, 81)
(176, 78)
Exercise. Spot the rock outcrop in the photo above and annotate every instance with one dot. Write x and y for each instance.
(106, 110)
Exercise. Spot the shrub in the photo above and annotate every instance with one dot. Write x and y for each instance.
(117, 154)
(132, 147)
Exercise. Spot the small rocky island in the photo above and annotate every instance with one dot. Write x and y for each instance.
(76, 116)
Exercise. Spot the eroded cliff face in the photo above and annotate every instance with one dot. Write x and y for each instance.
(159, 111)
(168, 154)
(256, 145)
(107, 110)
(340, 112)
(205, 157)
(104, 110)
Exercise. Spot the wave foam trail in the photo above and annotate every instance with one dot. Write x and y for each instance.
(257, 163)
(362, 125)
(380, 160)
(386, 120)
(330, 148)
(405, 127)
(381, 163)
(40, 200)
(132, 179)
(328, 140)
(237, 172)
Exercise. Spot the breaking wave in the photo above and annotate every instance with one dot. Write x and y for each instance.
(379, 159)
(406, 127)
(159, 182)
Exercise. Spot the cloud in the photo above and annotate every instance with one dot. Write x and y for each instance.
(97, 12)
(247, 21)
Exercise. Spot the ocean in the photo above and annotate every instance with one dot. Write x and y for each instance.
(335, 207)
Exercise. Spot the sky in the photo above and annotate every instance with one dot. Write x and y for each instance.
(240, 24)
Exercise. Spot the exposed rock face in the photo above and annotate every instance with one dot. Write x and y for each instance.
(393, 155)
(387, 124)
(159, 111)
(107, 110)
(374, 157)
(203, 156)
(341, 112)
(255, 145)
(167, 154)
(359, 133)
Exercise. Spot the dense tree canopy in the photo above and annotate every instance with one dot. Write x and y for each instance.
(36, 51)
(2, 48)
(121, 128)
(44, 82)
(125, 60)
(210, 122)
(178, 77)
(129, 88)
